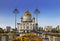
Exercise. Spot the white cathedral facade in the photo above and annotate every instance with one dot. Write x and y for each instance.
(27, 23)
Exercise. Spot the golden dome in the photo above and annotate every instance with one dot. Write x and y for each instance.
(27, 13)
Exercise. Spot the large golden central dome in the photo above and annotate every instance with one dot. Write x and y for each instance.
(27, 13)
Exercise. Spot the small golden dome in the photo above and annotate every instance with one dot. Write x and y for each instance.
(27, 13)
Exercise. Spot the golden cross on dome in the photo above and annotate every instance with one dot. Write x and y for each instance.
(27, 13)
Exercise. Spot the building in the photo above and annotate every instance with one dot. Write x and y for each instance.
(7, 36)
(54, 37)
(27, 23)
(51, 37)
(8, 28)
(48, 28)
(58, 28)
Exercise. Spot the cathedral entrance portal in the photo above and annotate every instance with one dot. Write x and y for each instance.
(27, 29)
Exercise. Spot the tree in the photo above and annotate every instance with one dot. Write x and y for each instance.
(1, 30)
(29, 37)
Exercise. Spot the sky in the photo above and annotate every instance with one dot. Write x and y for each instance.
(49, 11)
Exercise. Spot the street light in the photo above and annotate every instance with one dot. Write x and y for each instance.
(36, 12)
(15, 11)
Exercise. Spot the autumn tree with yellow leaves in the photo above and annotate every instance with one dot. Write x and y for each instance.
(28, 37)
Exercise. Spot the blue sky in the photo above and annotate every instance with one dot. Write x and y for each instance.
(50, 11)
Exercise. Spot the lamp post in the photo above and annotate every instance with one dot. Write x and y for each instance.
(37, 12)
(15, 11)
